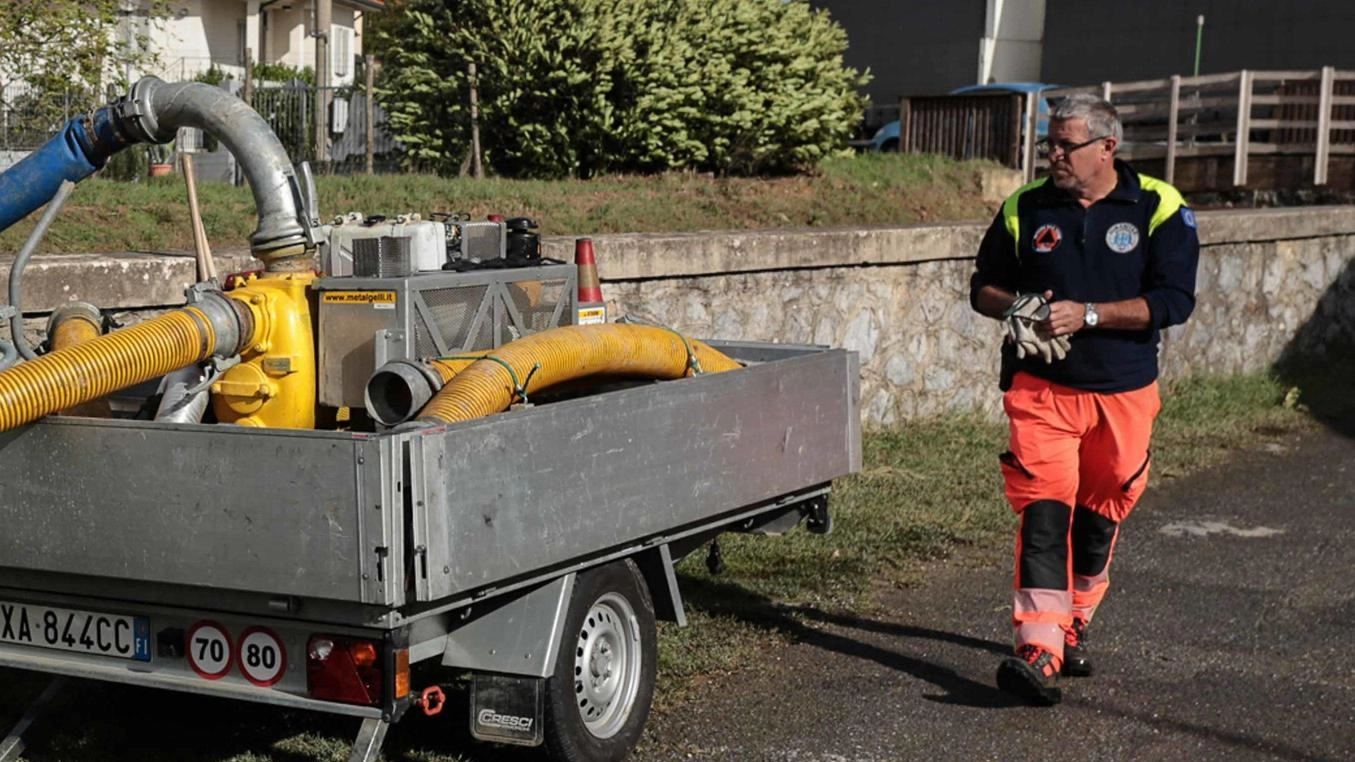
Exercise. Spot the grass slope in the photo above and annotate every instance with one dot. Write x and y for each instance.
(878, 189)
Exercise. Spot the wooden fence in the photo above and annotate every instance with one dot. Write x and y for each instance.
(986, 126)
(1291, 127)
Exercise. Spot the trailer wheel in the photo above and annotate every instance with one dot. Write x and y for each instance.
(598, 699)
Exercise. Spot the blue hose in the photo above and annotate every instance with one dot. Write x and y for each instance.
(81, 148)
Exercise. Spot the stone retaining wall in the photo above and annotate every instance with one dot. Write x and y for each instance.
(897, 295)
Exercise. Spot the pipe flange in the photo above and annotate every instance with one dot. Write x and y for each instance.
(136, 114)
(82, 310)
(231, 321)
(398, 390)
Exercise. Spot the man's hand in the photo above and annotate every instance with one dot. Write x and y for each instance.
(1023, 319)
(1065, 317)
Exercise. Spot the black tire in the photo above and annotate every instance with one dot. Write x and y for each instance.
(598, 699)
(890, 146)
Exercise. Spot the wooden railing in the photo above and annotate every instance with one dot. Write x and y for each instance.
(1239, 115)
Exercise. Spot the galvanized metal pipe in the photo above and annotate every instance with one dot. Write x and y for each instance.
(179, 402)
(155, 110)
(16, 269)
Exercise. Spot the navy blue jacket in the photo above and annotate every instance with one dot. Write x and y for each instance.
(1140, 240)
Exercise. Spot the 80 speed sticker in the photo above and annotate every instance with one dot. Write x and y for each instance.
(262, 657)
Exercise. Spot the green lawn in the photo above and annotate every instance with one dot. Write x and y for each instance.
(876, 189)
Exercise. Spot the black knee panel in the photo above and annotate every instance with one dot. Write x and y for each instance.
(1044, 545)
(1093, 536)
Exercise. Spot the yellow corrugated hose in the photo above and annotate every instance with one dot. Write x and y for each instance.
(71, 330)
(480, 387)
(88, 371)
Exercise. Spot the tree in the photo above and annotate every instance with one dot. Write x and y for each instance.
(57, 55)
(580, 87)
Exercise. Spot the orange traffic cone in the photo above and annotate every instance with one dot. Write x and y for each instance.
(589, 306)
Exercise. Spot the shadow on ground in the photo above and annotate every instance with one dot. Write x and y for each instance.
(828, 631)
(1319, 359)
(96, 722)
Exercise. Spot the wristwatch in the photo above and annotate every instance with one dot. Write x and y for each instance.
(1090, 317)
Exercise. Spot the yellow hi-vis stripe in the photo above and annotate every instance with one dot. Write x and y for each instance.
(1170, 200)
(1011, 217)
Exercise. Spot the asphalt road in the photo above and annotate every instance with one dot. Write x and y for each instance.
(1228, 634)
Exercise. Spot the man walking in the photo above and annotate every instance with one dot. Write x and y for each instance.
(1085, 267)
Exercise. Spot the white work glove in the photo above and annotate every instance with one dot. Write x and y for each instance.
(1020, 320)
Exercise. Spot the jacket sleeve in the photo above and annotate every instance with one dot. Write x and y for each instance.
(996, 263)
(1169, 281)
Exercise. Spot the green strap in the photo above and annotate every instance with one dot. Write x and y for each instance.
(520, 389)
(692, 363)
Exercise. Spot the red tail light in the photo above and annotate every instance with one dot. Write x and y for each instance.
(342, 669)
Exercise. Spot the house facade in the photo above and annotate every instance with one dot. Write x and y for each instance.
(202, 34)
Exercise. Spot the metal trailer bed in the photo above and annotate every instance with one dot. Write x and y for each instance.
(191, 567)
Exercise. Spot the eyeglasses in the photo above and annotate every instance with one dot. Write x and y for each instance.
(1047, 148)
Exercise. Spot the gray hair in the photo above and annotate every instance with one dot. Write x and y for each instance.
(1101, 117)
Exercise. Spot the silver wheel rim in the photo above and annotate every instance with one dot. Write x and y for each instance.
(607, 665)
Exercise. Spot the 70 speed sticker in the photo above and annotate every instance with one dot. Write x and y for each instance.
(209, 650)
(259, 652)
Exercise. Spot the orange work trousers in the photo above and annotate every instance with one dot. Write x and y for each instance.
(1077, 465)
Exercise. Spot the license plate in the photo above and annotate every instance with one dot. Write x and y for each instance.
(121, 637)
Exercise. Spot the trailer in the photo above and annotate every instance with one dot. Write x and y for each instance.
(348, 554)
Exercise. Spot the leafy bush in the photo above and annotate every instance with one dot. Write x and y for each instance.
(265, 71)
(583, 87)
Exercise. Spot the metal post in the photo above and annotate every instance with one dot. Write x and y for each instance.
(13, 745)
(323, 18)
(238, 176)
(1173, 112)
(367, 746)
(905, 125)
(1199, 42)
(369, 106)
(1028, 139)
(1105, 91)
(248, 94)
(477, 168)
(1243, 128)
(1322, 155)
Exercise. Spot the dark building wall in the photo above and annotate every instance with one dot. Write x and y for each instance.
(1088, 41)
(912, 47)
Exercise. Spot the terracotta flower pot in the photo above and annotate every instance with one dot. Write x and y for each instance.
(160, 170)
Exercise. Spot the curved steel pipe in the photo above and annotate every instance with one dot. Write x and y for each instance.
(154, 111)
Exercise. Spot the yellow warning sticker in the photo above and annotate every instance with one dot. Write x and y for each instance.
(592, 315)
(375, 298)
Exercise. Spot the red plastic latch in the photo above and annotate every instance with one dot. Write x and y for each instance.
(432, 699)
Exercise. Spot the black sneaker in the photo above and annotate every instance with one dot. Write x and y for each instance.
(1077, 659)
(1032, 674)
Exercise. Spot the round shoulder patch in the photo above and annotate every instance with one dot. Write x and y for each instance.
(1047, 238)
(1122, 237)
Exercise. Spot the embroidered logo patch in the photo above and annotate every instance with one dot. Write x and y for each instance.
(1188, 217)
(1047, 238)
(1122, 237)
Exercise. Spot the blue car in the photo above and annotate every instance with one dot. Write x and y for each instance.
(887, 137)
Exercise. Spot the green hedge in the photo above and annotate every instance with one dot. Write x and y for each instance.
(584, 87)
